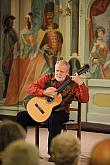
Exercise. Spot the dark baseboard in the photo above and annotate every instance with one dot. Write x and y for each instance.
(95, 127)
(7, 117)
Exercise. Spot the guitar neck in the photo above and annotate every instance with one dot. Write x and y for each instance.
(63, 86)
(82, 70)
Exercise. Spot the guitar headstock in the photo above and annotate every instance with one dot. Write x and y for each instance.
(83, 69)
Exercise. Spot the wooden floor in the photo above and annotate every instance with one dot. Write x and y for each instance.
(88, 140)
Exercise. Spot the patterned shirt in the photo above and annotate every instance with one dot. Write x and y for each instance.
(68, 89)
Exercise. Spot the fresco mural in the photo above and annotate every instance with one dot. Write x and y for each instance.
(27, 50)
(40, 44)
(38, 53)
(99, 35)
(9, 43)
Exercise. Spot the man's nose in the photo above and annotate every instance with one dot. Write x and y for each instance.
(59, 73)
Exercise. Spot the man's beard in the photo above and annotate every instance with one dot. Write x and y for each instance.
(59, 78)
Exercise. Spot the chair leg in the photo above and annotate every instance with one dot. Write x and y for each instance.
(79, 132)
(37, 135)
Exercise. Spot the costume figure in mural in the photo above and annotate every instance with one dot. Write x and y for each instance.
(9, 42)
(28, 47)
(107, 63)
(99, 57)
(108, 37)
(98, 54)
(50, 42)
(49, 38)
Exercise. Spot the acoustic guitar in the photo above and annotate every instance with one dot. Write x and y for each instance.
(40, 108)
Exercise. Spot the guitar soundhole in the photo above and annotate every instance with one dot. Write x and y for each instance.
(49, 99)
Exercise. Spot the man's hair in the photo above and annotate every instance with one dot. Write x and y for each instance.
(65, 148)
(21, 153)
(63, 62)
(9, 132)
(100, 154)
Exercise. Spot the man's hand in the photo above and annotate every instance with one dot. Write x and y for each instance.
(51, 92)
(77, 79)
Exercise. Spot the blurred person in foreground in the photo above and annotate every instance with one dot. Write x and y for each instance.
(100, 154)
(65, 149)
(10, 131)
(21, 153)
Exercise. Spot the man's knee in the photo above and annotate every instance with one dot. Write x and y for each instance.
(21, 119)
(20, 116)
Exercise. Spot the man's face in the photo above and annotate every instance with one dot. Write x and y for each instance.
(61, 71)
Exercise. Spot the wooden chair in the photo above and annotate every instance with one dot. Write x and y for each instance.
(74, 124)
(70, 125)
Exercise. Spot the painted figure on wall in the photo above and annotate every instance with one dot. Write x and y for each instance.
(49, 38)
(99, 45)
(98, 54)
(9, 43)
(49, 42)
(28, 48)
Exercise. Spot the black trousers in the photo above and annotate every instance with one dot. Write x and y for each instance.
(54, 123)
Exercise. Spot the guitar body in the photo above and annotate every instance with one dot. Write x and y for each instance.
(40, 108)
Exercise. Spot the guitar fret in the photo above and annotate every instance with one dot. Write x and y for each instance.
(62, 87)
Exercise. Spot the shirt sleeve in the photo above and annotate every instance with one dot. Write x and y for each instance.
(37, 88)
(81, 93)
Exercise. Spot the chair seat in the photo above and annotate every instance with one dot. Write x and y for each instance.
(70, 125)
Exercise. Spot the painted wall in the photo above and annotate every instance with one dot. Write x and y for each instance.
(98, 108)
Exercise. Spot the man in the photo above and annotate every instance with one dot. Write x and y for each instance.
(46, 86)
(100, 154)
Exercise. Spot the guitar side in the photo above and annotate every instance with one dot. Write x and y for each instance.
(39, 108)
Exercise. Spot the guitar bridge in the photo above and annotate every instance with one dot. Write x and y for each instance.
(41, 110)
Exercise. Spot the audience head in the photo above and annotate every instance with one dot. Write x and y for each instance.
(65, 149)
(9, 132)
(21, 153)
(100, 154)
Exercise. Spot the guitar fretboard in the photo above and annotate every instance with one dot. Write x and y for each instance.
(63, 86)
(82, 70)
